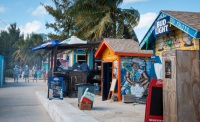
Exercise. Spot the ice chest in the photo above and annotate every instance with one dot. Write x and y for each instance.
(84, 106)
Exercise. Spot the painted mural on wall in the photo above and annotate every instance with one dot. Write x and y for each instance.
(115, 68)
(135, 74)
(175, 40)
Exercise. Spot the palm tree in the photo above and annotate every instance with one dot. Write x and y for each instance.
(63, 25)
(17, 55)
(97, 19)
(7, 39)
(24, 53)
(4, 38)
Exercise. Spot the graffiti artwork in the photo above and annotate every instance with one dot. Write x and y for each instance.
(175, 40)
(135, 74)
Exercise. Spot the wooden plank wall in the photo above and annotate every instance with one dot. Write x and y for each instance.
(188, 86)
(169, 89)
(181, 92)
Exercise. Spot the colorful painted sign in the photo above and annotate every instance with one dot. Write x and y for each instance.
(161, 26)
(175, 22)
(176, 41)
(135, 74)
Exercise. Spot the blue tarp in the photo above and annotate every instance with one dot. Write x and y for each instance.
(47, 45)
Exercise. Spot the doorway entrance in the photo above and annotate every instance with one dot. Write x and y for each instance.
(106, 79)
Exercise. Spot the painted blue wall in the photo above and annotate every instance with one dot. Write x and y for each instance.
(81, 52)
(2, 78)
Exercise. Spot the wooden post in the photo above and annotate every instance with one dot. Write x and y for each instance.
(93, 62)
(119, 78)
(55, 59)
(48, 61)
(86, 57)
(52, 52)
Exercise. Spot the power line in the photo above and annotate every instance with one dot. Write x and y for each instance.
(3, 22)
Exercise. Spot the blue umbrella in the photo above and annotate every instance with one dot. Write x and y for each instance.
(47, 45)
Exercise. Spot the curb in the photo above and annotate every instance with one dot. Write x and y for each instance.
(61, 111)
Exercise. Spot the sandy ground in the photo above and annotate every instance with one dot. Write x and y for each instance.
(105, 111)
(109, 111)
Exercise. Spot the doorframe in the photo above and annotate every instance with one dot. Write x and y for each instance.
(108, 79)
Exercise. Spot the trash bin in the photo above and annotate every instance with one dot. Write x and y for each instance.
(82, 87)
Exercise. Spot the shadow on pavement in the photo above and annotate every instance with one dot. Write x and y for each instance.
(23, 84)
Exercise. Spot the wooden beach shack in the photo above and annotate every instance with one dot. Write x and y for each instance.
(174, 38)
(118, 56)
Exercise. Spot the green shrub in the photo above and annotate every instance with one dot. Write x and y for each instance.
(9, 73)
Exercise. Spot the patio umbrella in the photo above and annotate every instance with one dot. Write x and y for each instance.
(73, 40)
(47, 45)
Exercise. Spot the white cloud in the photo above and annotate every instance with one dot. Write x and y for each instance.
(2, 9)
(40, 10)
(4, 28)
(30, 27)
(132, 1)
(146, 20)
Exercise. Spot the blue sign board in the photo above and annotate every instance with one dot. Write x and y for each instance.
(151, 30)
(56, 86)
(180, 25)
(161, 26)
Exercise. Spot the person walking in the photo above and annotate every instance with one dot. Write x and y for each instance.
(26, 73)
(16, 73)
(35, 74)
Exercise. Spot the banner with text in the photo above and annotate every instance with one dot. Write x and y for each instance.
(161, 26)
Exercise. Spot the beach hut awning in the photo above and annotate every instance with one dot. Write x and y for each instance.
(48, 45)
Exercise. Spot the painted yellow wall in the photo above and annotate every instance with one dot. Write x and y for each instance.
(108, 55)
(180, 42)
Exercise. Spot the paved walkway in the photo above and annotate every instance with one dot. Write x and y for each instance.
(66, 110)
(18, 103)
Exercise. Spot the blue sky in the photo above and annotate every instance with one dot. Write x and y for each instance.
(30, 16)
